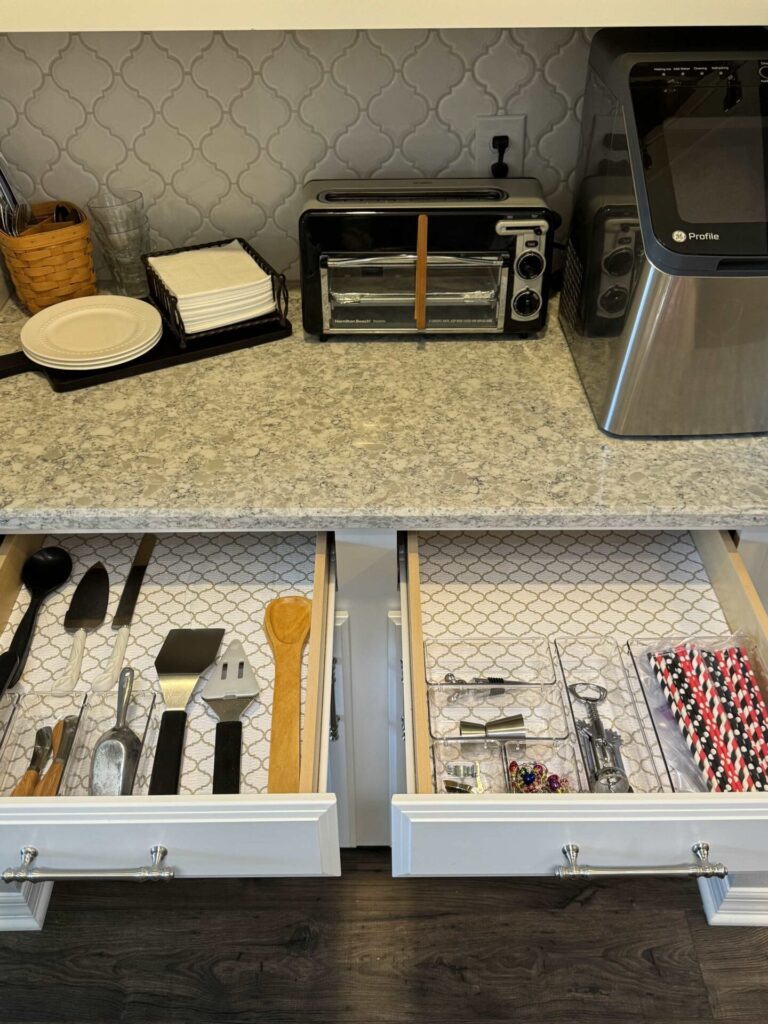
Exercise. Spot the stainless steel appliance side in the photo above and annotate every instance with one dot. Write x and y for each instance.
(690, 360)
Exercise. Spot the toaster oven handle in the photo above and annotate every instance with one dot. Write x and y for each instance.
(420, 305)
(408, 259)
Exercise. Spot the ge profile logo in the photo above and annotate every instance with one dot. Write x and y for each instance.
(679, 236)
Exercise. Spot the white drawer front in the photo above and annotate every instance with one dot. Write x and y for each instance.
(250, 834)
(509, 835)
(205, 837)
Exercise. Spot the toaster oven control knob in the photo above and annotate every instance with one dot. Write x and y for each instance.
(530, 265)
(526, 303)
(619, 262)
(614, 300)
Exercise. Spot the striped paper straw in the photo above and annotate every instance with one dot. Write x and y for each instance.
(731, 665)
(706, 759)
(745, 674)
(752, 684)
(709, 724)
(738, 718)
(701, 719)
(740, 777)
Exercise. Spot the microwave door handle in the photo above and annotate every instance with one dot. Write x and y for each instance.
(420, 305)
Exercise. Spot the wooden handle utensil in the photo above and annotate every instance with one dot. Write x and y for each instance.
(286, 623)
(63, 738)
(420, 306)
(40, 754)
(26, 784)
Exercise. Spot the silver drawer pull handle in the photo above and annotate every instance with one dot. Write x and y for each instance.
(154, 872)
(702, 868)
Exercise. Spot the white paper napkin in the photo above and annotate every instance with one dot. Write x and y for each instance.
(217, 286)
(200, 272)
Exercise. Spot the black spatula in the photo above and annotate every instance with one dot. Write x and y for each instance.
(184, 656)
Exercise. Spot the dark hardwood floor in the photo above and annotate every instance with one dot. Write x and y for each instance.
(371, 949)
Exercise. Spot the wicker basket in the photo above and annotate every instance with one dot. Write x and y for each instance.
(52, 264)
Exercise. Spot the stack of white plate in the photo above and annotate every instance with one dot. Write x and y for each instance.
(216, 286)
(91, 333)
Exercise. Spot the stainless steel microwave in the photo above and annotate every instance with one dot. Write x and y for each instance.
(463, 256)
(663, 300)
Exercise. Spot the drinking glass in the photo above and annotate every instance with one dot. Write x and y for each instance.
(123, 251)
(117, 210)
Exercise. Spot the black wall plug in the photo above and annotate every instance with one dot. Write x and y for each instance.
(500, 143)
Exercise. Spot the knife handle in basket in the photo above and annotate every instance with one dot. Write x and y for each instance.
(27, 784)
(166, 768)
(226, 761)
(48, 784)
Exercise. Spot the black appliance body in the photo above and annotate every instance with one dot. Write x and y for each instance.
(487, 258)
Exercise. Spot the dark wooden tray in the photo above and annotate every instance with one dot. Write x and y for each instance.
(167, 352)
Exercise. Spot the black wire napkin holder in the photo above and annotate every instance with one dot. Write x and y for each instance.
(258, 327)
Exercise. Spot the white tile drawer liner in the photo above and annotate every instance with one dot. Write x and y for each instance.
(198, 580)
(621, 585)
(581, 585)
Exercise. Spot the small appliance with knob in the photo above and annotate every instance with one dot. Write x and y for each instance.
(462, 256)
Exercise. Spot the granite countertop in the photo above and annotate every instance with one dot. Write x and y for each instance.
(448, 434)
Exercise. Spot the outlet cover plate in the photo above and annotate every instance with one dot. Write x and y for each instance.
(512, 125)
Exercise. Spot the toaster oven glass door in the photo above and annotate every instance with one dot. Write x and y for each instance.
(378, 292)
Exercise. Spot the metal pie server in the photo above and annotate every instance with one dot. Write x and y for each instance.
(87, 611)
(229, 692)
(29, 780)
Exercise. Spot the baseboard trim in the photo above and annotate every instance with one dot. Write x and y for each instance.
(23, 907)
(733, 905)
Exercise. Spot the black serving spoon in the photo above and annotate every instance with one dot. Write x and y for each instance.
(43, 572)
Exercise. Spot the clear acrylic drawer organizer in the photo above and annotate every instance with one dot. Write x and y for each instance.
(96, 715)
(597, 661)
(499, 677)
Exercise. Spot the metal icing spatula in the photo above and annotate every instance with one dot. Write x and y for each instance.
(184, 656)
(230, 690)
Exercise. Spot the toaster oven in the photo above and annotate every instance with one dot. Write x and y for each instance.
(411, 257)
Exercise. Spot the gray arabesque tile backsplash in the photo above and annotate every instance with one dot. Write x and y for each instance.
(219, 130)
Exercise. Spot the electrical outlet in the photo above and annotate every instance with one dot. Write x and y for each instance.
(512, 125)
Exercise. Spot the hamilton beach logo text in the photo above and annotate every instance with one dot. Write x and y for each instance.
(695, 236)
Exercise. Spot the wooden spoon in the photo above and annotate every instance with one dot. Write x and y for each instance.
(286, 623)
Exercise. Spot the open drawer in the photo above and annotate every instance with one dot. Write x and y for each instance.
(191, 581)
(569, 585)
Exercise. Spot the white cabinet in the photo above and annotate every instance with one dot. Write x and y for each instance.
(617, 585)
(82, 16)
(191, 581)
